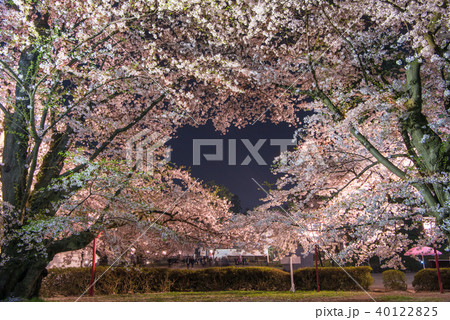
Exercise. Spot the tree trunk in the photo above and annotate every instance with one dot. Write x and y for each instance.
(22, 278)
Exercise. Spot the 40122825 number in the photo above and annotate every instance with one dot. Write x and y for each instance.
(407, 311)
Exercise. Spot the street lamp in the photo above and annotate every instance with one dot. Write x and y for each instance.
(429, 224)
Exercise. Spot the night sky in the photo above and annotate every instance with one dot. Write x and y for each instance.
(238, 178)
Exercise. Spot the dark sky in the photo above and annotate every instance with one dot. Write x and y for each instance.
(238, 178)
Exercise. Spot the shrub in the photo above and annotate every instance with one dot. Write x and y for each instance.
(65, 281)
(427, 279)
(394, 280)
(120, 280)
(74, 281)
(229, 278)
(333, 278)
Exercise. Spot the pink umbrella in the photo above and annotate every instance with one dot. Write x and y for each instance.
(421, 251)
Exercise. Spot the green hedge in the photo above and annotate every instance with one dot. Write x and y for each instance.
(229, 278)
(394, 280)
(334, 279)
(427, 279)
(74, 281)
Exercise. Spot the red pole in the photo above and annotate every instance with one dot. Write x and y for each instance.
(437, 269)
(317, 270)
(91, 283)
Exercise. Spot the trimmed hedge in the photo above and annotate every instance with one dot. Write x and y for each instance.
(394, 280)
(120, 280)
(333, 279)
(229, 278)
(74, 281)
(427, 279)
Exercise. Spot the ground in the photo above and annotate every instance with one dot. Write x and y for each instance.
(253, 296)
(376, 291)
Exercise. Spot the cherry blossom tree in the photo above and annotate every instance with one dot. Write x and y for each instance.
(373, 158)
(168, 211)
(87, 76)
(79, 80)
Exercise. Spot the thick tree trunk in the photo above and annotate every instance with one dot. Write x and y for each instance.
(434, 154)
(21, 278)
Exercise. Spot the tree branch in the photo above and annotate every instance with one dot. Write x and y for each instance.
(71, 243)
(115, 134)
(423, 189)
(64, 114)
(12, 74)
(363, 68)
(5, 111)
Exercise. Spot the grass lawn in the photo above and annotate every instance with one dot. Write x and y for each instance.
(263, 296)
